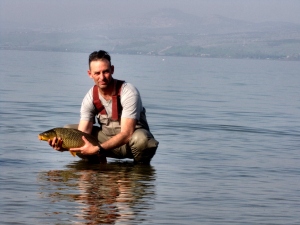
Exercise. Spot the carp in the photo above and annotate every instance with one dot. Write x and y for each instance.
(72, 138)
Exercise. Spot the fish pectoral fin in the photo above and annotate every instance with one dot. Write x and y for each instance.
(73, 154)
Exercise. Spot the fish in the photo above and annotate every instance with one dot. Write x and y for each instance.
(72, 138)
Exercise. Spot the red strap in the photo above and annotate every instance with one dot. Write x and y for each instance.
(96, 100)
(115, 113)
(116, 103)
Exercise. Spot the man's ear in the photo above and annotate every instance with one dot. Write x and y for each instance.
(89, 74)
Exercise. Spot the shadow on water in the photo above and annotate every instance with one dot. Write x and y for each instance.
(96, 193)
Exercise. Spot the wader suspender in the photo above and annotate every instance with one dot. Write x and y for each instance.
(116, 102)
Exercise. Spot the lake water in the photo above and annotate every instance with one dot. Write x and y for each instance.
(229, 133)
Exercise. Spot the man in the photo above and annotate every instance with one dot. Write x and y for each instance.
(123, 131)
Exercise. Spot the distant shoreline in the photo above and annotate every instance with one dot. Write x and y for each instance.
(270, 57)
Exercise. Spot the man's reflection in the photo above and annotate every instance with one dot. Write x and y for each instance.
(105, 193)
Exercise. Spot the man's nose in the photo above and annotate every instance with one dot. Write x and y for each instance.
(101, 76)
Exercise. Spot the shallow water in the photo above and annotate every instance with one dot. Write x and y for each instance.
(229, 138)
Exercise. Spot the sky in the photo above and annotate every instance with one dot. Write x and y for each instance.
(68, 13)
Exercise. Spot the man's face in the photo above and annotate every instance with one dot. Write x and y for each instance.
(101, 72)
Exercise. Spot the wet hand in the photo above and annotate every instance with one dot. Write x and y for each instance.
(56, 144)
(86, 149)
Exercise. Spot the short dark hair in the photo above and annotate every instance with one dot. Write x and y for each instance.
(98, 55)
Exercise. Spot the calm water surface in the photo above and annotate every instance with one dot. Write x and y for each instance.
(229, 137)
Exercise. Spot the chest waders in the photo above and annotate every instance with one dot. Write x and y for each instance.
(110, 125)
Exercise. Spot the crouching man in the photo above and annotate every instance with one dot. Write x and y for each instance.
(117, 105)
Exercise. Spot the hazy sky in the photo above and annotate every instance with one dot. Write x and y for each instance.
(66, 13)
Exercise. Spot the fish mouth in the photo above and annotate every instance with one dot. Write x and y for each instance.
(41, 138)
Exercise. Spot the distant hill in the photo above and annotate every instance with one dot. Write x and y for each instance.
(164, 32)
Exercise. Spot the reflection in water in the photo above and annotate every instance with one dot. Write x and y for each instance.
(106, 194)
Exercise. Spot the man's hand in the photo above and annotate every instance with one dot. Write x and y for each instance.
(86, 149)
(56, 144)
